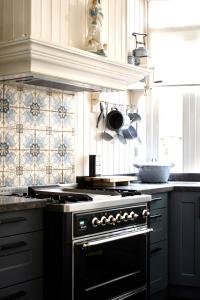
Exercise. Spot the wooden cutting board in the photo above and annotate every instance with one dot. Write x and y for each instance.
(110, 180)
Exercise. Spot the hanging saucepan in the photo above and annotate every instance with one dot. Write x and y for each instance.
(114, 119)
(134, 117)
(129, 132)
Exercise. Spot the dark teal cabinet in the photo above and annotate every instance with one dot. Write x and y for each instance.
(184, 238)
(159, 243)
(21, 254)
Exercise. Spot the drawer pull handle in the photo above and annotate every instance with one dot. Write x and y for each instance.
(156, 216)
(14, 296)
(12, 245)
(155, 250)
(12, 220)
(156, 199)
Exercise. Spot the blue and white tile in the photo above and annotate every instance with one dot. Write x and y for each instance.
(1, 178)
(69, 102)
(27, 160)
(1, 163)
(27, 178)
(11, 138)
(11, 117)
(69, 140)
(27, 138)
(55, 160)
(27, 119)
(69, 122)
(2, 135)
(55, 121)
(56, 177)
(27, 97)
(41, 160)
(55, 140)
(42, 139)
(55, 100)
(1, 120)
(11, 179)
(69, 160)
(41, 178)
(11, 160)
(42, 98)
(41, 121)
(1, 90)
(68, 176)
(12, 94)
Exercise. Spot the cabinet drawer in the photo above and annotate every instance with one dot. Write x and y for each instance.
(158, 221)
(159, 201)
(23, 221)
(31, 290)
(20, 258)
(158, 266)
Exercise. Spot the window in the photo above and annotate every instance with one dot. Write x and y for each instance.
(173, 123)
(169, 121)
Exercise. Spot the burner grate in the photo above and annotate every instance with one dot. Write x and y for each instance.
(73, 198)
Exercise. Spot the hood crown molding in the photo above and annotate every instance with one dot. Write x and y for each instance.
(30, 57)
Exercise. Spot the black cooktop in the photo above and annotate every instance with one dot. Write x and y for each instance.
(60, 194)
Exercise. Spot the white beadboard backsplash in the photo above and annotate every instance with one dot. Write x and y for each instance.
(116, 157)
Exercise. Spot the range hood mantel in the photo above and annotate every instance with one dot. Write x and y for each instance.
(37, 62)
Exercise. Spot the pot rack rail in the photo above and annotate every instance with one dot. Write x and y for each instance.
(120, 105)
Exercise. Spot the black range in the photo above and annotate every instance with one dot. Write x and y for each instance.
(96, 244)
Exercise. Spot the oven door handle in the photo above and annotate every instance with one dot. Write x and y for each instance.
(116, 237)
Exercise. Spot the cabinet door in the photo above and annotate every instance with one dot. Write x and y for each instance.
(158, 221)
(22, 221)
(159, 267)
(20, 258)
(31, 290)
(184, 233)
(159, 201)
(158, 242)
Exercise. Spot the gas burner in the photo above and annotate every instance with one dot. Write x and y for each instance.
(72, 198)
(116, 191)
(128, 193)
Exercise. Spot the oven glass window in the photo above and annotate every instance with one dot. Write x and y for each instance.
(110, 268)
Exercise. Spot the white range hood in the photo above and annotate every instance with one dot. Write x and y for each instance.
(39, 63)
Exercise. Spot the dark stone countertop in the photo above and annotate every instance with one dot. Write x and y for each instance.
(13, 203)
(153, 188)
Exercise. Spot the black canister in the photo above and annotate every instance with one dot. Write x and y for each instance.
(94, 165)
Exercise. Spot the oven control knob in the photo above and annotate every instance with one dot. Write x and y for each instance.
(125, 217)
(118, 218)
(95, 222)
(145, 213)
(133, 216)
(111, 220)
(104, 221)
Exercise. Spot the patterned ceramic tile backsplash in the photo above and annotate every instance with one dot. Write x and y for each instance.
(37, 136)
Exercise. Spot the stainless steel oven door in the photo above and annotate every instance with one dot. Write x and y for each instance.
(112, 266)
